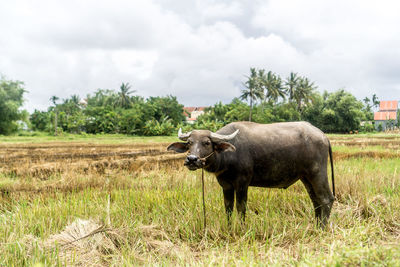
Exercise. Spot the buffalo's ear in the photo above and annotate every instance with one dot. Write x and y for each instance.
(224, 146)
(178, 147)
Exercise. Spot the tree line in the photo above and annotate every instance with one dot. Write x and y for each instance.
(266, 98)
(273, 99)
(110, 111)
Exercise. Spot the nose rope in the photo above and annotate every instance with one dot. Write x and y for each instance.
(206, 157)
(204, 203)
(203, 160)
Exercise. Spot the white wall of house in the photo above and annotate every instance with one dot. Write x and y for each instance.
(196, 113)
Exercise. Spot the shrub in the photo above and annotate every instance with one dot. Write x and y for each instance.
(156, 128)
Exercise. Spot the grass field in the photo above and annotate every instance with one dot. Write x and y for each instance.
(146, 208)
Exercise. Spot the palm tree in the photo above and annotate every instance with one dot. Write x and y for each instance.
(375, 101)
(291, 83)
(262, 77)
(368, 109)
(54, 99)
(272, 85)
(303, 93)
(124, 99)
(75, 99)
(367, 101)
(252, 90)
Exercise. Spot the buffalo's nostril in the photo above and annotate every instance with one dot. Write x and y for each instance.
(192, 158)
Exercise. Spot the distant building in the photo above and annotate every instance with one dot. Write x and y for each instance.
(192, 113)
(386, 117)
(83, 102)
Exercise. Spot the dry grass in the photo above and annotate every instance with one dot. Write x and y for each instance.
(46, 163)
(81, 243)
(149, 207)
(392, 143)
(365, 154)
(87, 243)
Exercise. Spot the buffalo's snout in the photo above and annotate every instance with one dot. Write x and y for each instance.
(193, 162)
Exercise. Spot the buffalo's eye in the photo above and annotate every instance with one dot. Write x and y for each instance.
(190, 142)
(207, 143)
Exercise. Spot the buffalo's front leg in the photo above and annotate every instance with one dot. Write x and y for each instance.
(241, 201)
(229, 198)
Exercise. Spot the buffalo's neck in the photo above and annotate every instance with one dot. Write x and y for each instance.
(217, 163)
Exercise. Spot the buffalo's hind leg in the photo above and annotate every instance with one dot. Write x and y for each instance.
(321, 196)
(310, 191)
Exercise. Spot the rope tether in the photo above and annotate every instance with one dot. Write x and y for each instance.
(204, 203)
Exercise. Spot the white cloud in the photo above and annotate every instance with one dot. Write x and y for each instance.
(197, 50)
(212, 9)
(343, 41)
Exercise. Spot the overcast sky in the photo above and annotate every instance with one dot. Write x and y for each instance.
(199, 51)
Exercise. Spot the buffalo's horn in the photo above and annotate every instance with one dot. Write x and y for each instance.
(183, 136)
(221, 137)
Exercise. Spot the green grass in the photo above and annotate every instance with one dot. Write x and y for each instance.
(282, 231)
(90, 138)
(39, 137)
(377, 148)
(279, 229)
(366, 135)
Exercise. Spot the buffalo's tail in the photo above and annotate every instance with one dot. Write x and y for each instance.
(333, 174)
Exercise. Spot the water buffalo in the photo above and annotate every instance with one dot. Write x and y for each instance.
(244, 154)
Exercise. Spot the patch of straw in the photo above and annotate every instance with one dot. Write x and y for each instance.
(82, 242)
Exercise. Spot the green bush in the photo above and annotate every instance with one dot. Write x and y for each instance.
(156, 128)
(335, 112)
(186, 127)
(212, 125)
(11, 100)
(367, 128)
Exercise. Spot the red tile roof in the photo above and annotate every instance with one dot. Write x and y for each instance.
(190, 109)
(388, 105)
(385, 115)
